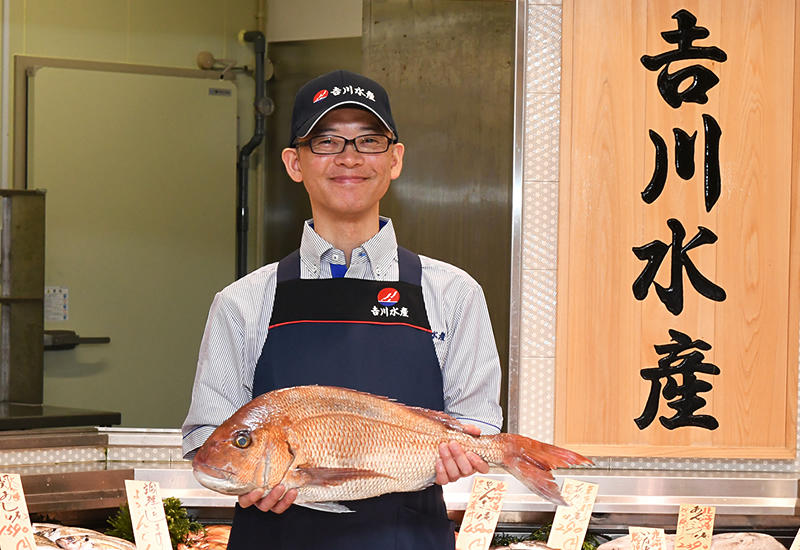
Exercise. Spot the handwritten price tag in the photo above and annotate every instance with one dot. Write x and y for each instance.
(571, 522)
(480, 519)
(147, 515)
(16, 532)
(695, 527)
(644, 538)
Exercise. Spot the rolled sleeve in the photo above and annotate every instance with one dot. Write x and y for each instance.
(471, 375)
(464, 344)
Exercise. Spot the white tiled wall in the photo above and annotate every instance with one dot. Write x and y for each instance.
(539, 251)
(540, 220)
(124, 445)
(55, 455)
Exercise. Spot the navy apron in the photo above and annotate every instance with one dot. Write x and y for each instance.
(371, 336)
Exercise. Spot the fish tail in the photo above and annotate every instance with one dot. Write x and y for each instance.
(530, 461)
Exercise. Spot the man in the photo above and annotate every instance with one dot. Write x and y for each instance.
(349, 308)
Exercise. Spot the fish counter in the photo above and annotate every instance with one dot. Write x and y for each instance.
(620, 492)
(77, 475)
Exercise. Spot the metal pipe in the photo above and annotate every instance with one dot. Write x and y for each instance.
(518, 160)
(258, 222)
(243, 164)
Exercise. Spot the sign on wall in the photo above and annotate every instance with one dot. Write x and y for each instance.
(679, 266)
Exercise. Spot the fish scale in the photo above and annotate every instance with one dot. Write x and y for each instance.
(405, 457)
(335, 444)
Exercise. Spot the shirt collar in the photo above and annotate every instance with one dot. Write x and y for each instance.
(381, 248)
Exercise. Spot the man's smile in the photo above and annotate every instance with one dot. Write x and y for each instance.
(349, 178)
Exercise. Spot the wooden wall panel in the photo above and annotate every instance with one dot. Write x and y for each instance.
(605, 336)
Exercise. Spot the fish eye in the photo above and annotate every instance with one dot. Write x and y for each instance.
(242, 439)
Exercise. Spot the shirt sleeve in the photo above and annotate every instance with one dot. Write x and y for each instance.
(218, 389)
(465, 345)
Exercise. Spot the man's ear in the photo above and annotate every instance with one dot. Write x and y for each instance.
(398, 149)
(292, 163)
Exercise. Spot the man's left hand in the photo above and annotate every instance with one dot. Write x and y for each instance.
(454, 463)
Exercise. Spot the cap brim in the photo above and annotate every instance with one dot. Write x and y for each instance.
(314, 121)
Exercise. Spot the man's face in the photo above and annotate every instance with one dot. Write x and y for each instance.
(347, 185)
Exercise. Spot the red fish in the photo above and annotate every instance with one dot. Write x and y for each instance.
(334, 444)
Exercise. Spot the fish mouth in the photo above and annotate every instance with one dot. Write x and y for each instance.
(220, 480)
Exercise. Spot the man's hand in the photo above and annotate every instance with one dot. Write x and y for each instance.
(277, 500)
(454, 463)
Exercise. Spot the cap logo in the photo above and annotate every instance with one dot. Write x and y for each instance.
(354, 90)
(320, 95)
(388, 296)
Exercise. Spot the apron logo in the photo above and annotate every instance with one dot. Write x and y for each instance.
(388, 296)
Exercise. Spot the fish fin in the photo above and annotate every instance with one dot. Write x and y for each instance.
(441, 417)
(333, 507)
(329, 477)
(530, 461)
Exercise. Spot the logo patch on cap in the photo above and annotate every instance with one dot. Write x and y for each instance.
(320, 95)
(388, 296)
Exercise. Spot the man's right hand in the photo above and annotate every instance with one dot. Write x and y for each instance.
(277, 500)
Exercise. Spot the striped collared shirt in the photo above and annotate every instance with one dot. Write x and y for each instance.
(239, 319)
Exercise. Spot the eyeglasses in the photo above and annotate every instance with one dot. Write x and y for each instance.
(333, 145)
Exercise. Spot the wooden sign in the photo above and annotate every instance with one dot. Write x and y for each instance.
(571, 522)
(679, 253)
(646, 538)
(16, 532)
(480, 518)
(695, 527)
(147, 515)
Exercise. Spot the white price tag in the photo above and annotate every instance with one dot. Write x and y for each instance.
(16, 532)
(571, 522)
(147, 515)
(646, 538)
(480, 518)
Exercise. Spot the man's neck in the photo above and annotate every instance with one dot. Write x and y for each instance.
(346, 234)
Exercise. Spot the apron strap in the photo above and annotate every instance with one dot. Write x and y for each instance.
(409, 266)
(289, 267)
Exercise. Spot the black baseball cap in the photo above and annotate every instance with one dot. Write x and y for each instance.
(337, 89)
